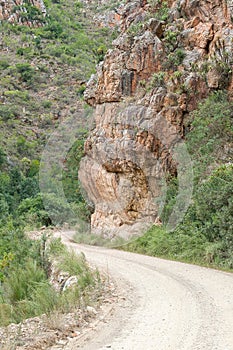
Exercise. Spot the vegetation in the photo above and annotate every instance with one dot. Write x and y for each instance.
(25, 290)
(209, 133)
(161, 9)
(205, 234)
(43, 70)
(157, 80)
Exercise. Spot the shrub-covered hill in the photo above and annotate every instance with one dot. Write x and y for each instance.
(45, 62)
(43, 71)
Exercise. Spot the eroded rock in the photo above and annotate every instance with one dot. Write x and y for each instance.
(157, 73)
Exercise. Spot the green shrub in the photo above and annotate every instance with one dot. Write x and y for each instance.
(53, 30)
(58, 208)
(172, 245)
(47, 104)
(205, 234)
(17, 95)
(27, 52)
(26, 71)
(33, 212)
(27, 293)
(4, 207)
(2, 157)
(29, 188)
(170, 39)
(33, 168)
(211, 127)
(174, 59)
(81, 90)
(135, 29)
(4, 64)
(28, 12)
(72, 263)
(157, 80)
(8, 112)
(56, 247)
(100, 52)
(21, 144)
(162, 9)
(77, 265)
(214, 206)
(172, 191)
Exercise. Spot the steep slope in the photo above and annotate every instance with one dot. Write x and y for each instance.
(169, 56)
(44, 65)
(46, 57)
(31, 12)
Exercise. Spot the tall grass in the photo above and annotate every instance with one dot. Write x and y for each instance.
(191, 246)
(26, 291)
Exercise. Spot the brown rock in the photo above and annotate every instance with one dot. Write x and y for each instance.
(138, 122)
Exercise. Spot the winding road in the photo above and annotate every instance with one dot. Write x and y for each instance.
(166, 305)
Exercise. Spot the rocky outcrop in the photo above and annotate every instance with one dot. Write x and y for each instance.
(20, 11)
(166, 59)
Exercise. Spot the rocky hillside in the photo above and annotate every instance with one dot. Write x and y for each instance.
(31, 12)
(44, 63)
(46, 57)
(169, 56)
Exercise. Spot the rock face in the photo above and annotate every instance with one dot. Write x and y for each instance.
(166, 59)
(18, 11)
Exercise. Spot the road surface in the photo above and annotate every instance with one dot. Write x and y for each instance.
(168, 305)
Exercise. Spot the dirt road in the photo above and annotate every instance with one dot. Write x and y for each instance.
(168, 305)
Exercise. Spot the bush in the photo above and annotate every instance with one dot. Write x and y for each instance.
(4, 207)
(4, 64)
(26, 71)
(53, 30)
(163, 11)
(214, 207)
(205, 235)
(172, 245)
(8, 112)
(2, 157)
(157, 80)
(17, 95)
(33, 212)
(29, 188)
(210, 128)
(174, 59)
(26, 291)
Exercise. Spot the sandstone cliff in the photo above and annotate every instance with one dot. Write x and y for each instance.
(168, 57)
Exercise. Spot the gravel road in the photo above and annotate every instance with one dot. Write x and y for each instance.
(165, 305)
